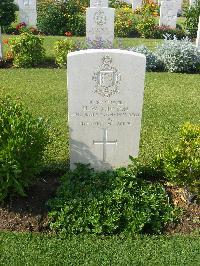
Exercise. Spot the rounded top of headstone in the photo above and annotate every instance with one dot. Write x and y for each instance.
(98, 3)
(106, 51)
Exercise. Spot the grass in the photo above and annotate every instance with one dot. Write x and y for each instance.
(35, 249)
(170, 100)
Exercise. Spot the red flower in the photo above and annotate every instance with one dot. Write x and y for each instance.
(5, 41)
(20, 25)
(68, 33)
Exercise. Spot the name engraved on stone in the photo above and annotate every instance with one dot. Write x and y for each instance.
(107, 78)
(105, 142)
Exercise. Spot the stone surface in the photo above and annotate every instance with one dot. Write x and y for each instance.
(136, 4)
(28, 12)
(179, 5)
(168, 13)
(98, 3)
(105, 98)
(192, 2)
(100, 24)
(198, 35)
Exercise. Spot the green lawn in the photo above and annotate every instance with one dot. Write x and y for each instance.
(170, 100)
(35, 249)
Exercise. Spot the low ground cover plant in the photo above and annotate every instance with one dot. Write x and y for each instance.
(109, 202)
(23, 140)
(178, 55)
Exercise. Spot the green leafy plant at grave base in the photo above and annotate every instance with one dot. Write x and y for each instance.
(178, 55)
(181, 165)
(61, 49)
(27, 50)
(23, 140)
(109, 202)
(192, 14)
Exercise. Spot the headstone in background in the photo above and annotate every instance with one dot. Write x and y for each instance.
(28, 12)
(168, 13)
(192, 2)
(98, 3)
(198, 35)
(136, 4)
(99, 23)
(105, 99)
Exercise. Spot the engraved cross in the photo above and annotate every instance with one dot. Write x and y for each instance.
(105, 142)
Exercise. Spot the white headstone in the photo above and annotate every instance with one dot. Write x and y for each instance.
(136, 4)
(192, 2)
(100, 24)
(28, 12)
(98, 3)
(105, 99)
(179, 5)
(198, 35)
(168, 13)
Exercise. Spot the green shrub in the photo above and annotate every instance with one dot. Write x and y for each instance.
(125, 22)
(118, 4)
(160, 31)
(23, 139)
(7, 12)
(178, 55)
(109, 202)
(58, 17)
(78, 26)
(145, 26)
(51, 18)
(192, 14)
(181, 164)
(61, 49)
(27, 50)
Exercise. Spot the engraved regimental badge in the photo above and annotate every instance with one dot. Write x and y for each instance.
(100, 18)
(107, 78)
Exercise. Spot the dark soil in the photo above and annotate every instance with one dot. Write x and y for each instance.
(47, 63)
(30, 213)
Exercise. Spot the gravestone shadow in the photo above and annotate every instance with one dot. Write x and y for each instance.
(82, 154)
